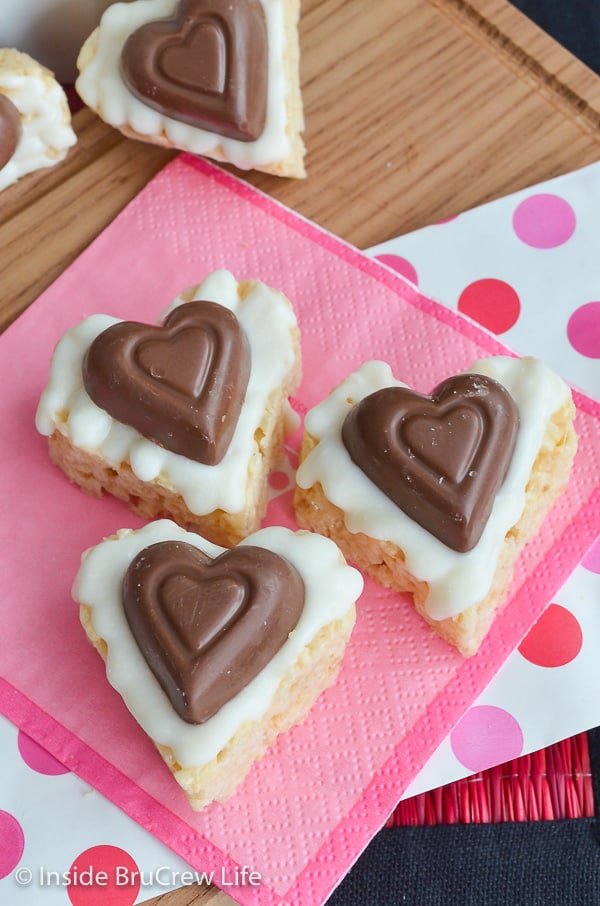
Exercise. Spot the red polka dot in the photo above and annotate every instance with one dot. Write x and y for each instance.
(583, 330)
(101, 875)
(401, 265)
(492, 303)
(279, 481)
(485, 736)
(37, 758)
(544, 221)
(12, 843)
(554, 640)
(591, 561)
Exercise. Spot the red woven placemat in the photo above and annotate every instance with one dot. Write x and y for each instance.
(553, 783)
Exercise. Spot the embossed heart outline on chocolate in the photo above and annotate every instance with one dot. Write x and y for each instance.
(181, 385)
(205, 66)
(207, 627)
(441, 458)
(11, 129)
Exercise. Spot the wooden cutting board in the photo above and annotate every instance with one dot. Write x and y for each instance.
(415, 111)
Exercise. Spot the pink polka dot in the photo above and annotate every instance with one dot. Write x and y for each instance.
(404, 267)
(492, 303)
(544, 221)
(103, 874)
(591, 561)
(554, 640)
(486, 736)
(37, 758)
(12, 842)
(583, 330)
(279, 481)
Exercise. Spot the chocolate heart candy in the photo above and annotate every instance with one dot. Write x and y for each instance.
(441, 458)
(10, 129)
(182, 385)
(205, 66)
(207, 627)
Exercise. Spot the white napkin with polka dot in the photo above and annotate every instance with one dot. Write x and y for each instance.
(526, 267)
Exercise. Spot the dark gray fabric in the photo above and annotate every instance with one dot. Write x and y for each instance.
(538, 863)
(555, 863)
(574, 23)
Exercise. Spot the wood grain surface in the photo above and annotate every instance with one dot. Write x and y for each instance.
(415, 111)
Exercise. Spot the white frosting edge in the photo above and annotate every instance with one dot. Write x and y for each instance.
(45, 121)
(456, 580)
(331, 586)
(101, 87)
(268, 321)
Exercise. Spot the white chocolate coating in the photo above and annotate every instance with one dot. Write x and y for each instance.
(45, 117)
(101, 87)
(268, 320)
(456, 580)
(331, 588)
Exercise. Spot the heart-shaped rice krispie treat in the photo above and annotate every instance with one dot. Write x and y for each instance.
(212, 77)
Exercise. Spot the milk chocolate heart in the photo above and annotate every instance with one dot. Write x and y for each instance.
(207, 627)
(10, 129)
(181, 385)
(441, 458)
(205, 66)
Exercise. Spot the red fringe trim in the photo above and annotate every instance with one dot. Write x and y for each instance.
(551, 784)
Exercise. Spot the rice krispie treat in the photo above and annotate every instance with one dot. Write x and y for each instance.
(212, 77)
(186, 419)
(216, 652)
(35, 120)
(437, 495)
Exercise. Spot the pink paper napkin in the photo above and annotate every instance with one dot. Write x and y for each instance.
(311, 805)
